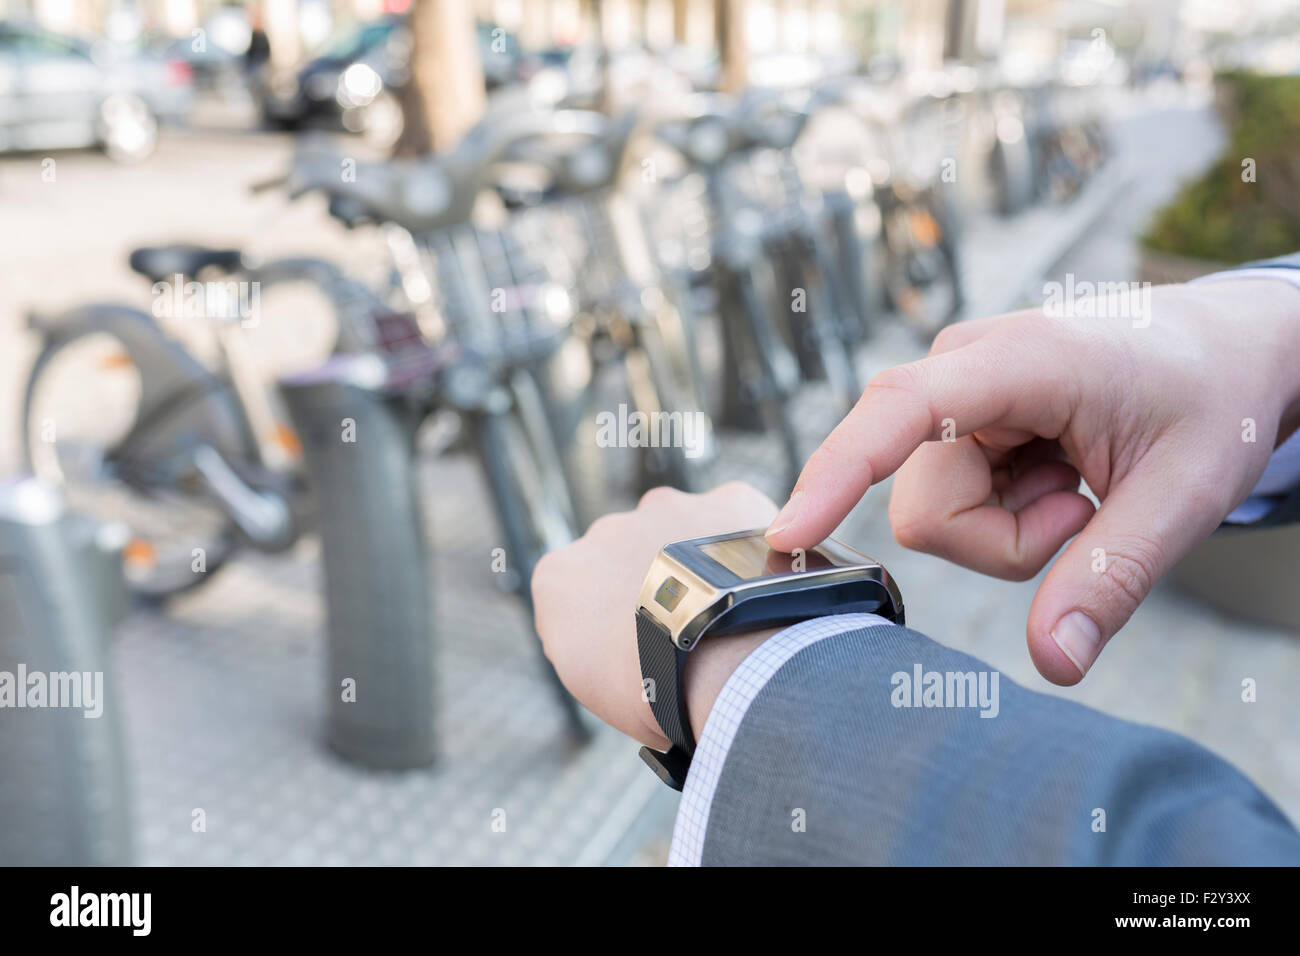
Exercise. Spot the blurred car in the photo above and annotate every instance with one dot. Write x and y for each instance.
(59, 92)
(210, 65)
(503, 61)
(351, 84)
(354, 82)
(550, 58)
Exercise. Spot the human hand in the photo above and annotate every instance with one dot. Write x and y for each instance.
(990, 434)
(585, 597)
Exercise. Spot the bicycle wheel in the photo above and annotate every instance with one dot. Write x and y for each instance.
(527, 485)
(682, 449)
(792, 302)
(826, 324)
(87, 429)
(922, 276)
(1011, 167)
(558, 398)
(856, 235)
(768, 370)
(533, 518)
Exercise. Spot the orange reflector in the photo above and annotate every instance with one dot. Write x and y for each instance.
(926, 228)
(140, 552)
(910, 301)
(285, 437)
(115, 360)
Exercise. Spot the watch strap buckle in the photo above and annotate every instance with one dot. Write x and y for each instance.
(671, 766)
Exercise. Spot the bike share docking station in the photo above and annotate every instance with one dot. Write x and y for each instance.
(63, 798)
(357, 419)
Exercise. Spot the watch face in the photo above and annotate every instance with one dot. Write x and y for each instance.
(727, 583)
(749, 558)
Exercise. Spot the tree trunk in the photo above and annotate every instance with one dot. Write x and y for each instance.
(538, 24)
(281, 21)
(730, 35)
(445, 94)
(593, 15)
(681, 22)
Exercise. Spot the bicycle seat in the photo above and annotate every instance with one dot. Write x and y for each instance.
(588, 154)
(704, 130)
(349, 212)
(418, 194)
(163, 262)
(714, 127)
(774, 119)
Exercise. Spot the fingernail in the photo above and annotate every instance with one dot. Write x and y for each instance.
(1079, 639)
(788, 513)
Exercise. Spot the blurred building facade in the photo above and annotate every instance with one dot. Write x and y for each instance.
(919, 34)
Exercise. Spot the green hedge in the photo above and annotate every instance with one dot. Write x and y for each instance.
(1223, 219)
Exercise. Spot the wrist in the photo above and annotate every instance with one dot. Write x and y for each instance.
(1285, 317)
(709, 667)
(1274, 312)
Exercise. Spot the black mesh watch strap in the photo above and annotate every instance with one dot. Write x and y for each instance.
(662, 666)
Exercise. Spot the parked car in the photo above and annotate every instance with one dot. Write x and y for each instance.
(60, 92)
(211, 66)
(351, 84)
(499, 52)
(354, 82)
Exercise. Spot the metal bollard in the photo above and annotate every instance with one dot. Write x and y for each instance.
(359, 442)
(63, 797)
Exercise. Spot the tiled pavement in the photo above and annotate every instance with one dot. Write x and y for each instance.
(224, 700)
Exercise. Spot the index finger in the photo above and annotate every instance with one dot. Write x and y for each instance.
(995, 380)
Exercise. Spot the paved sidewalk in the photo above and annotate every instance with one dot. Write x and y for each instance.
(224, 701)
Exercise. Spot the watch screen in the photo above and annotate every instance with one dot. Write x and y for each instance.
(749, 557)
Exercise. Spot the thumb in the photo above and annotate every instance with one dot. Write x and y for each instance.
(1141, 530)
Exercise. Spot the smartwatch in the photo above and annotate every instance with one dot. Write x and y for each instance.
(729, 584)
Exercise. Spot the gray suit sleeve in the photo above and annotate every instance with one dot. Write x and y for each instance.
(825, 769)
(1286, 511)
(1291, 261)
